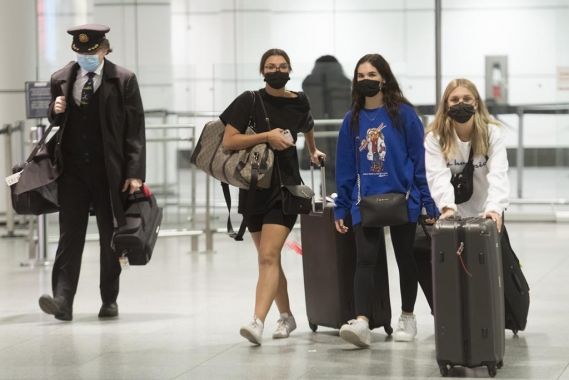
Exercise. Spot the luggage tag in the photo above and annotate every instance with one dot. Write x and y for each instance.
(123, 260)
(14, 178)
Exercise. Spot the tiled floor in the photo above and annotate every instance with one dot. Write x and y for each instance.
(180, 319)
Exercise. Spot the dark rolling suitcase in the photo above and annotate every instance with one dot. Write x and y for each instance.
(136, 239)
(468, 294)
(516, 288)
(329, 263)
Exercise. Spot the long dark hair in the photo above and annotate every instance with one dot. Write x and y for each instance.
(392, 94)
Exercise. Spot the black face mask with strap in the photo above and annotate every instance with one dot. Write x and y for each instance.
(461, 112)
(277, 79)
(368, 87)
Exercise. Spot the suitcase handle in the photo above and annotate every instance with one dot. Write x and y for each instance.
(322, 165)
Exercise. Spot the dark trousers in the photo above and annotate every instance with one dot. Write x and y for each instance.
(78, 189)
(370, 243)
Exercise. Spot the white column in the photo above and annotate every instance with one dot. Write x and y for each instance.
(140, 37)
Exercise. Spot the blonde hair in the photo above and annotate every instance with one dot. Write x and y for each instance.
(442, 124)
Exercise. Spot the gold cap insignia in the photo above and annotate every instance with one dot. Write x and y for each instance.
(83, 38)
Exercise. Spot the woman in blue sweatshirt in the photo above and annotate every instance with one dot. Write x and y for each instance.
(381, 142)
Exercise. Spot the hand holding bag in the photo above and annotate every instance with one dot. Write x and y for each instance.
(134, 242)
(35, 191)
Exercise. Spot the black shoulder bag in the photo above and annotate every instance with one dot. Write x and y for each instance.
(463, 182)
(380, 210)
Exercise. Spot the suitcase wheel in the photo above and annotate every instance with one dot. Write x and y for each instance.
(312, 326)
(492, 370)
(500, 364)
(388, 330)
(444, 368)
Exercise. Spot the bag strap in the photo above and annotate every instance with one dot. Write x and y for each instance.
(470, 155)
(252, 187)
(268, 121)
(40, 143)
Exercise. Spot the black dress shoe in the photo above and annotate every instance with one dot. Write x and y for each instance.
(56, 307)
(109, 310)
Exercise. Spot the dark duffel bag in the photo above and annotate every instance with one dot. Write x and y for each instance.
(33, 186)
(516, 288)
(135, 240)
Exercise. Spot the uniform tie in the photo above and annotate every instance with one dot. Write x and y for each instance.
(87, 92)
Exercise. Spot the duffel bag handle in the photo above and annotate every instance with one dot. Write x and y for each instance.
(40, 143)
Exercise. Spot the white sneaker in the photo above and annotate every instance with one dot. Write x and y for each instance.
(356, 332)
(285, 325)
(253, 332)
(406, 328)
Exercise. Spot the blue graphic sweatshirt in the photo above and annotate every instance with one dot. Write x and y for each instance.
(391, 160)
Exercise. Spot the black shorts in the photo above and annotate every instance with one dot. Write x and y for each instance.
(273, 216)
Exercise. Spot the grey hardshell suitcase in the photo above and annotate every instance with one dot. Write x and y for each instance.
(329, 264)
(468, 294)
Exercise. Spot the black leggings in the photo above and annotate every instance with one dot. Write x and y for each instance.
(370, 242)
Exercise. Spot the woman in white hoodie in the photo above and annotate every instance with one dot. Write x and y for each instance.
(462, 123)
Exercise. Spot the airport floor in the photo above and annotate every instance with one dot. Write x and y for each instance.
(180, 317)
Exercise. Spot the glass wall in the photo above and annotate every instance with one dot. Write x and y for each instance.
(193, 58)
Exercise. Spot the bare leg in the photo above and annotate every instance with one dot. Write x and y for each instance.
(269, 246)
(282, 293)
(281, 299)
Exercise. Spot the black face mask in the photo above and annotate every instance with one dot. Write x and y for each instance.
(368, 87)
(277, 79)
(461, 112)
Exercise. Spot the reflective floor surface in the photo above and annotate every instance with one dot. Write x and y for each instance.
(180, 317)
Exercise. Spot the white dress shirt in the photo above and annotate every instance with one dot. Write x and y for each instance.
(491, 184)
(82, 78)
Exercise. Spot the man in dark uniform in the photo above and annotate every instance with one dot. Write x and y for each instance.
(101, 148)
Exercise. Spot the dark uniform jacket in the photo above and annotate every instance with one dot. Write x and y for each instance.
(122, 126)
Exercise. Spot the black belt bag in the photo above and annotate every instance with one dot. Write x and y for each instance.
(380, 210)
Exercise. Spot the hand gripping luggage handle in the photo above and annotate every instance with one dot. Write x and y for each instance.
(322, 164)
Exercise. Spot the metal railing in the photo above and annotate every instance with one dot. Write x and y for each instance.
(8, 130)
(194, 231)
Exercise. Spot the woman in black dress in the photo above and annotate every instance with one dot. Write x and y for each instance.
(269, 227)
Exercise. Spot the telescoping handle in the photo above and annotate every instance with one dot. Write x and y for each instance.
(322, 164)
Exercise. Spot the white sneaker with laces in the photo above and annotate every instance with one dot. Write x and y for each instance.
(285, 325)
(356, 332)
(406, 328)
(253, 332)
